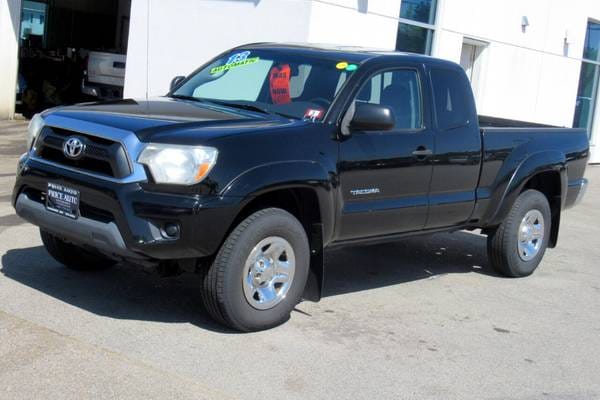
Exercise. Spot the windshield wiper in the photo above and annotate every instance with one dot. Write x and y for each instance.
(243, 106)
(251, 107)
(217, 102)
(186, 97)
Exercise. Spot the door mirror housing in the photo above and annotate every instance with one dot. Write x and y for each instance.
(372, 117)
(176, 81)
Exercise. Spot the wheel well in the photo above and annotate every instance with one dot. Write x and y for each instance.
(302, 203)
(546, 182)
(549, 184)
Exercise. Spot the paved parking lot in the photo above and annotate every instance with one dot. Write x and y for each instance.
(424, 318)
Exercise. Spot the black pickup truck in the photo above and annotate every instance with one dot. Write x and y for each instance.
(255, 163)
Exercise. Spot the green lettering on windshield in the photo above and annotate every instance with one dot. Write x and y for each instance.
(226, 67)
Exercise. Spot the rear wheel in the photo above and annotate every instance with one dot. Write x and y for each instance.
(72, 256)
(517, 246)
(259, 274)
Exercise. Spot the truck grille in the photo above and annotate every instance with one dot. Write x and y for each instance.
(100, 156)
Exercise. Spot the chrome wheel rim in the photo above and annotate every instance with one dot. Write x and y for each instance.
(531, 235)
(269, 272)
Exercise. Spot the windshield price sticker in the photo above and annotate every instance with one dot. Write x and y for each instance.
(344, 65)
(313, 114)
(236, 60)
(279, 84)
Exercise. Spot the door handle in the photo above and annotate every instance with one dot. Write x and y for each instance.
(422, 152)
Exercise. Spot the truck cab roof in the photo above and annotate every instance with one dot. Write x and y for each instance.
(352, 53)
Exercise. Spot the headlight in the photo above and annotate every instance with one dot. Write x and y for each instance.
(178, 165)
(35, 126)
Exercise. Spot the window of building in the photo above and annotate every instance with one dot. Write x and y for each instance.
(589, 79)
(453, 101)
(592, 42)
(416, 27)
(33, 20)
(414, 39)
(398, 90)
(418, 10)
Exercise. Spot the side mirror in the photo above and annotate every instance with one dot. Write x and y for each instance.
(372, 117)
(176, 81)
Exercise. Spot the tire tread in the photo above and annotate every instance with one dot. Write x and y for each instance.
(213, 294)
(498, 242)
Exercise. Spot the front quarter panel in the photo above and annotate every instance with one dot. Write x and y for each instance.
(285, 175)
(298, 155)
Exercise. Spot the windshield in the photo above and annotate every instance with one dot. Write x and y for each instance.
(295, 86)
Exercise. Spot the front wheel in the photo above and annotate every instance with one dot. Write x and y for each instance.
(517, 246)
(259, 273)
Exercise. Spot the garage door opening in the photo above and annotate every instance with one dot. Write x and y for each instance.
(71, 51)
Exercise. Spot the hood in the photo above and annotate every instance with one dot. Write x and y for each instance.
(166, 120)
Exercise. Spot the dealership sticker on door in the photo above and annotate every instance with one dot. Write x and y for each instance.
(62, 200)
(235, 60)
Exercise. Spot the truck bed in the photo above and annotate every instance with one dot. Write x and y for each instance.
(508, 150)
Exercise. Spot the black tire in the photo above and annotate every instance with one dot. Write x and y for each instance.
(502, 243)
(223, 292)
(74, 257)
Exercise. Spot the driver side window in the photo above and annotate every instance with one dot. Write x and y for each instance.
(398, 90)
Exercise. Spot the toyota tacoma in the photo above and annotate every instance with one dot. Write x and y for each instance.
(250, 167)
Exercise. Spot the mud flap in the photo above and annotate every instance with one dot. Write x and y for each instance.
(314, 284)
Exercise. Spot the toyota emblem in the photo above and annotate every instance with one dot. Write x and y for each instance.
(73, 148)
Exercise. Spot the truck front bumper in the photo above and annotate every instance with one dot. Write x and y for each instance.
(124, 220)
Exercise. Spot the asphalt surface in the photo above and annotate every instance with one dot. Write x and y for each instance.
(424, 318)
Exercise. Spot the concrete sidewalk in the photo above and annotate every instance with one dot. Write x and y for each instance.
(424, 318)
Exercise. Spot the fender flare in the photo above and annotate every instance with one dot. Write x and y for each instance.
(298, 174)
(536, 163)
(268, 177)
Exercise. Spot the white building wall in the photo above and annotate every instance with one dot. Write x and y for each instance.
(365, 23)
(176, 37)
(10, 12)
(519, 65)
(136, 72)
(527, 75)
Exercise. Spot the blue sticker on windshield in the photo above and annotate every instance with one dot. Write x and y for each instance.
(235, 60)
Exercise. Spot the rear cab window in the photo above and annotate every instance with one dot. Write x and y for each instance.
(453, 99)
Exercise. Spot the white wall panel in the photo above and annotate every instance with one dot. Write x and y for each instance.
(349, 25)
(10, 11)
(527, 75)
(184, 34)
